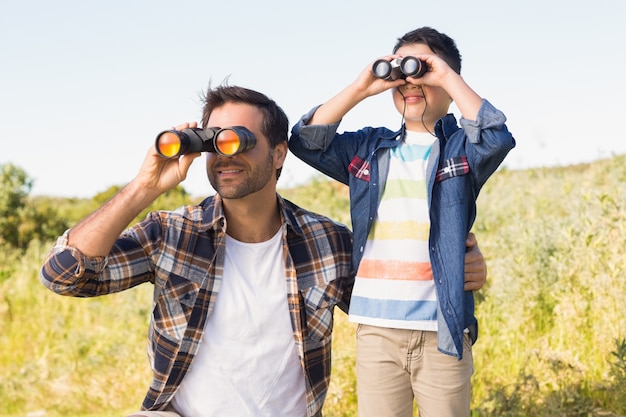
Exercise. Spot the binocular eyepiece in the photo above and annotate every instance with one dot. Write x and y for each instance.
(228, 141)
(409, 66)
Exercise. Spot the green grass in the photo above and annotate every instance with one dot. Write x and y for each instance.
(551, 317)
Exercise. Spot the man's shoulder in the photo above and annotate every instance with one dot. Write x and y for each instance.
(203, 212)
(307, 220)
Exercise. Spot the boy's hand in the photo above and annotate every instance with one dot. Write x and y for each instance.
(475, 266)
(371, 85)
(366, 85)
(441, 75)
(438, 71)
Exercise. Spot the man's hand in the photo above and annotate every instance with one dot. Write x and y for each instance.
(96, 233)
(159, 175)
(475, 267)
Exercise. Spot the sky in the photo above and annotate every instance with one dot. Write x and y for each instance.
(85, 86)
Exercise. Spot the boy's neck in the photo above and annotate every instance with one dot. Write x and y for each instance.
(418, 126)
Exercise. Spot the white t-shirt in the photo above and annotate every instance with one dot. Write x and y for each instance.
(247, 363)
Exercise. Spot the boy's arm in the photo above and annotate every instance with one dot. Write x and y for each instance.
(467, 100)
(441, 75)
(364, 86)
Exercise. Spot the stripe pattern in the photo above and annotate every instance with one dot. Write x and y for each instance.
(394, 285)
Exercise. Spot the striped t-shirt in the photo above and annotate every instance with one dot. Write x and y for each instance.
(394, 284)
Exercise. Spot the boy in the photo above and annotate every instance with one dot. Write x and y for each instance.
(413, 202)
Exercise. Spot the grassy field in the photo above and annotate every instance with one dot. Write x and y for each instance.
(551, 318)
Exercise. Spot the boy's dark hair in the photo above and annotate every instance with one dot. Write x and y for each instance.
(440, 43)
(275, 122)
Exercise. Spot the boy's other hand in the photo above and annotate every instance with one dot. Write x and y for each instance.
(475, 266)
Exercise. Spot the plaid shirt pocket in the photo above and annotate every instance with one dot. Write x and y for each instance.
(319, 305)
(359, 168)
(453, 167)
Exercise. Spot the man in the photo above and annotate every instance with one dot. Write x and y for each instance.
(245, 283)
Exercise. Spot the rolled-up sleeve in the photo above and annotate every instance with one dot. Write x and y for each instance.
(66, 268)
(488, 118)
(313, 137)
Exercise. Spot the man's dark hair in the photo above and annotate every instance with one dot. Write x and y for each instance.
(440, 43)
(275, 122)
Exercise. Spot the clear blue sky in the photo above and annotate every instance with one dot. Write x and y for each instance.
(85, 86)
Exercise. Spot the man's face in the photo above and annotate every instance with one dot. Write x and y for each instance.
(254, 170)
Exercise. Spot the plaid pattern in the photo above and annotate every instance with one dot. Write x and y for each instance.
(453, 167)
(182, 254)
(359, 168)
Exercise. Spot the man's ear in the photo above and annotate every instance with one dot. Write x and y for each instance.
(280, 153)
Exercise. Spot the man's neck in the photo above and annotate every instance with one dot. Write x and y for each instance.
(252, 219)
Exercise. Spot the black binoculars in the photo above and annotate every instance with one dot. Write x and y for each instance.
(409, 66)
(226, 141)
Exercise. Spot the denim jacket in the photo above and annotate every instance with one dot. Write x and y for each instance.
(461, 161)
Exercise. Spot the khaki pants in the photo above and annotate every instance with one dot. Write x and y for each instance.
(395, 366)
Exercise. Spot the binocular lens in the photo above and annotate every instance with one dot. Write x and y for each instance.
(382, 68)
(227, 142)
(410, 66)
(413, 67)
(168, 144)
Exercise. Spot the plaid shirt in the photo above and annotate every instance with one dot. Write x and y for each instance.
(182, 254)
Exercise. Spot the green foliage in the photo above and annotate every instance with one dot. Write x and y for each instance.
(60, 355)
(40, 221)
(171, 200)
(554, 242)
(551, 340)
(329, 198)
(14, 188)
(24, 219)
(617, 372)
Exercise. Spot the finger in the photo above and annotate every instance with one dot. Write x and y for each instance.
(472, 286)
(473, 256)
(474, 281)
(471, 241)
(186, 125)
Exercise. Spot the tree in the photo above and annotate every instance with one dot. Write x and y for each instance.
(15, 185)
(23, 219)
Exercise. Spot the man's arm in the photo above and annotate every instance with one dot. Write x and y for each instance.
(96, 234)
(475, 266)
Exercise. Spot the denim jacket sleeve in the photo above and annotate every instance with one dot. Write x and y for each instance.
(314, 144)
(332, 153)
(488, 141)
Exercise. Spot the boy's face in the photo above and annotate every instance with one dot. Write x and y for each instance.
(411, 100)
